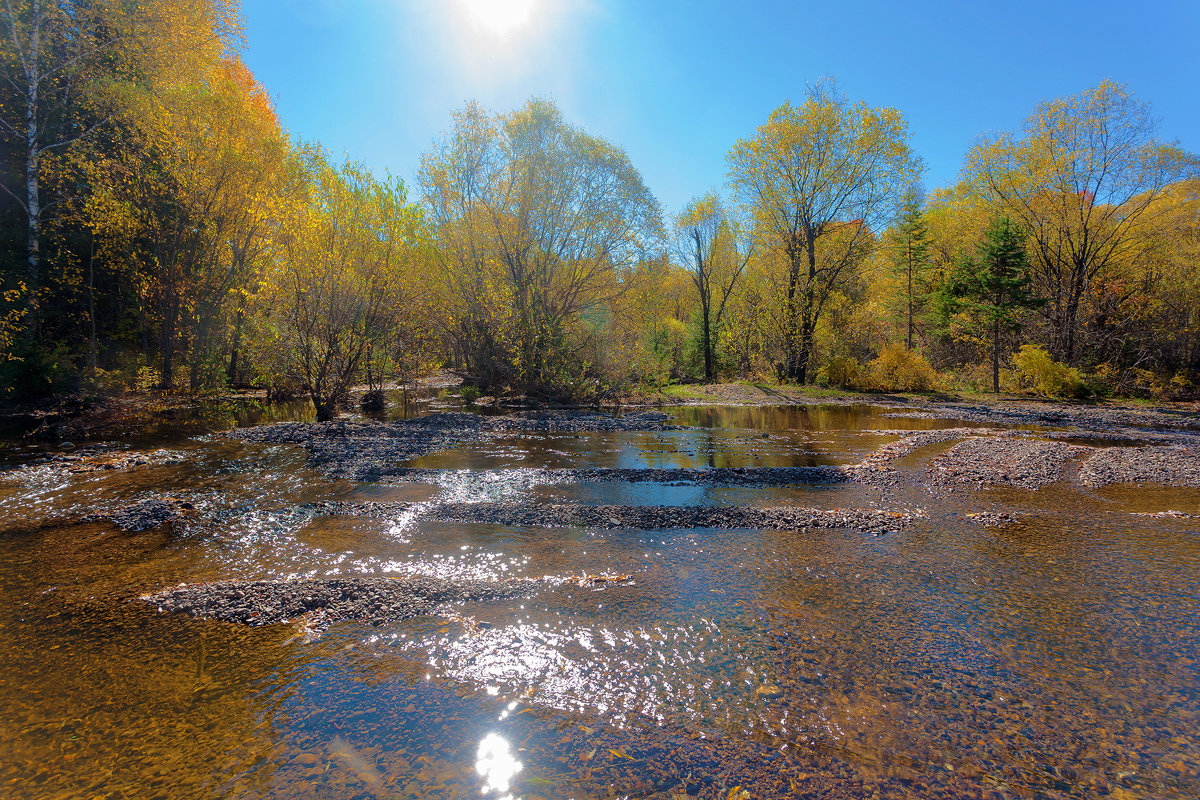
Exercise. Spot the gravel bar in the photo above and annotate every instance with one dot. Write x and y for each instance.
(780, 518)
(1086, 417)
(377, 600)
(1169, 466)
(1004, 461)
(719, 476)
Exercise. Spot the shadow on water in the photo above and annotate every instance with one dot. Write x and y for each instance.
(1054, 657)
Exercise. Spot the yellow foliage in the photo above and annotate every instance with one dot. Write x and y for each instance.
(900, 370)
(1037, 371)
(843, 372)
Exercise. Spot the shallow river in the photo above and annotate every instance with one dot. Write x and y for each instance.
(1053, 657)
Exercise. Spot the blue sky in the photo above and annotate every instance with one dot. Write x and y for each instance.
(676, 83)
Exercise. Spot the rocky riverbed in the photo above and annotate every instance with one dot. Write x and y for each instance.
(659, 611)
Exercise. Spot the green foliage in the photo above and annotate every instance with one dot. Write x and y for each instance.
(908, 253)
(469, 394)
(1038, 372)
(984, 296)
(898, 369)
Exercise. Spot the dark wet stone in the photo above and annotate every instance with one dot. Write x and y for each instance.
(144, 514)
(377, 600)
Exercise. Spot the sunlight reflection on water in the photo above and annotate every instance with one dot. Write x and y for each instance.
(496, 765)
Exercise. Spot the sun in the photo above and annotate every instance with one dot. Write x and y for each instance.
(499, 17)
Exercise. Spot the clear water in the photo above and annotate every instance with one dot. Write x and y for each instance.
(1053, 658)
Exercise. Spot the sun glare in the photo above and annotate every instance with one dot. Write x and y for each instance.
(499, 17)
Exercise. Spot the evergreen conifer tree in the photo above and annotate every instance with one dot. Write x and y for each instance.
(910, 259)
(993, 287)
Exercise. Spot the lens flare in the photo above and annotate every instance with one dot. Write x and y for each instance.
(499, 17)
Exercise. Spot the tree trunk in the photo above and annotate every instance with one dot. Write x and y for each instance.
(910, 298)
(170, 312)
(30, 65)
(232, 371)
(996, 356)
(804, 352)
(1068, 348)
(92, 306)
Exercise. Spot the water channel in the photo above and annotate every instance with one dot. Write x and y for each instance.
(1056, 656)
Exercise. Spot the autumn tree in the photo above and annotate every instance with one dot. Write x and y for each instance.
(992, 289)
(343, 267)
(712, 246)
(819, 177)
(67, 64)
(1146, 316)
(1081, 177)
(534, 219)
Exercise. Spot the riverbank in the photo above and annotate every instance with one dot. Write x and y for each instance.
(83, 418)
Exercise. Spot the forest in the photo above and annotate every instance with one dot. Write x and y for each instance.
(161, 230)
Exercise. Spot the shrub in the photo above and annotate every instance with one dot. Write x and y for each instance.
(898, 369)
(1141, 383)
(107, 381)
(469, 394)
(1038, 372)
(146, 379)
(844, 372)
